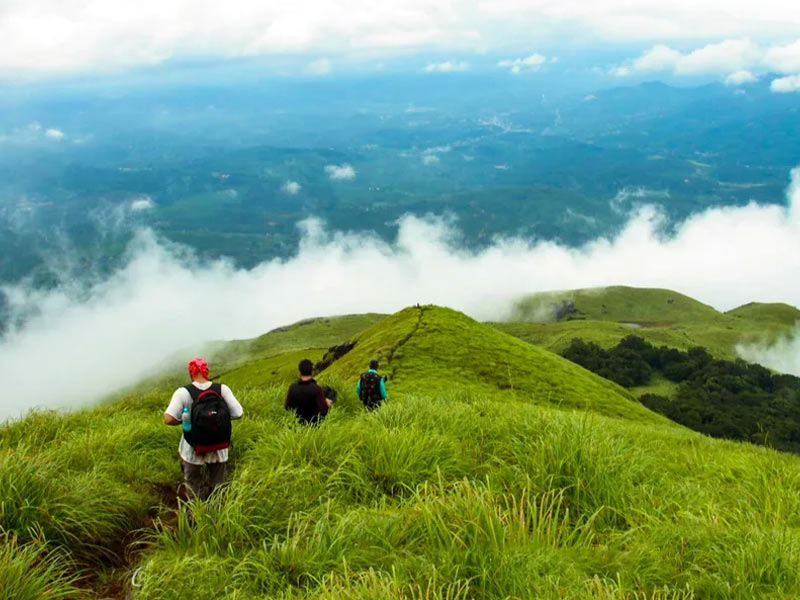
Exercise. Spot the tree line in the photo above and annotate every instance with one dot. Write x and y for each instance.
(727, 399)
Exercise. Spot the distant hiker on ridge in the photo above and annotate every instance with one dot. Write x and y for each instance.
(371, 387)
(306, 398)
(205, 411)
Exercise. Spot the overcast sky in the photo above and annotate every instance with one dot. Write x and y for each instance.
(46, 38)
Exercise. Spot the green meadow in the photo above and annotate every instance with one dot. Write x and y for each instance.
(661, 317)
(496, 469)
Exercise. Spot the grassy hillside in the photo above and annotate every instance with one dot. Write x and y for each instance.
(273, 370)
(321, 332)
(469, 483)
(662, 317)
(775, 314)
(555, 337)
(434, 349)
(619, 303)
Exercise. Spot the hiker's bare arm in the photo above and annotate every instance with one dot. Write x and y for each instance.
(170, 420)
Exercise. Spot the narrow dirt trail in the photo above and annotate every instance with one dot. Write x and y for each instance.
(114, 583)
(399, 345)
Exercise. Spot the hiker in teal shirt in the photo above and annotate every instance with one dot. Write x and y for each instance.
(371, 387)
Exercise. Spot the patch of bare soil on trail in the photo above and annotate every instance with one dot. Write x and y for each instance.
(114, 581)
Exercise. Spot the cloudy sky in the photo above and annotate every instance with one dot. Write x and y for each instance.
(737, 40)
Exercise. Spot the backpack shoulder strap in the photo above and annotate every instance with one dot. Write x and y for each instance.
(195, 392)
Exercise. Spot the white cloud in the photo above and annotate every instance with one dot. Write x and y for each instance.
(32, 133)
(319, 67)
(739, 60)
(740, 78)
(292, 188)
(430, 155)
(786, 84)
(438, 149)
(724, 57)
(54, 134)
(621, 71)
(142, 203)
(447, 66)
(721, 58)
(131, 323)
(343, 171)
(784, 59)
(529, 63)
(55, 37)
(658, 58)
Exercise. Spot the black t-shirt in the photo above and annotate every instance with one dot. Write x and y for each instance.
(307, 399)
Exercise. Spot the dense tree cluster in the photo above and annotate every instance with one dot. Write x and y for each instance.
(727, 399)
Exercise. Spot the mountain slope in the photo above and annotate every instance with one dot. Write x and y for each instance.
(662, 317)
(775, 314)
(618, 303)
(433, 349)
(468, 484)
(321, 332)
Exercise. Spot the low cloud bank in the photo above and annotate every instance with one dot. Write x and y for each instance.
(740, 60)
(782, 355)
(166, 300)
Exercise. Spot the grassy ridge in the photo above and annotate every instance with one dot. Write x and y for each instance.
(774, 314)
(662, 317)
(619, 303)
(281, 368)
(470, 483)
(321, 332)
(433, 349)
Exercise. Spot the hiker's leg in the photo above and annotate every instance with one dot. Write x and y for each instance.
(217, 475)
(194, 478)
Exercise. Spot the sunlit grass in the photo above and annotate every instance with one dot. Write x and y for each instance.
(442, 494)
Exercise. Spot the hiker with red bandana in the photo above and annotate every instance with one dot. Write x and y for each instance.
(205, 409)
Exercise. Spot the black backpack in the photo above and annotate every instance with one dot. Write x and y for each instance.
(370, 391)
(211, 420)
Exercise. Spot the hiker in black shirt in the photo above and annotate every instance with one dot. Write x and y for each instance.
(306, 398)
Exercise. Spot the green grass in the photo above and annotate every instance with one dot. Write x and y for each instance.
(468, 483)
(322, 332)
(619, 303)
(556, 337)
(278, 369)
(658, 385)
(661, 317)
(775, 314)
(434, 349)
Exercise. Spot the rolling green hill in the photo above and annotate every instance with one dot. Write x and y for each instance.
(321, 332)
(775, 314)
(662, 317)
(434, 350)
(483, 476)
(620, 304)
